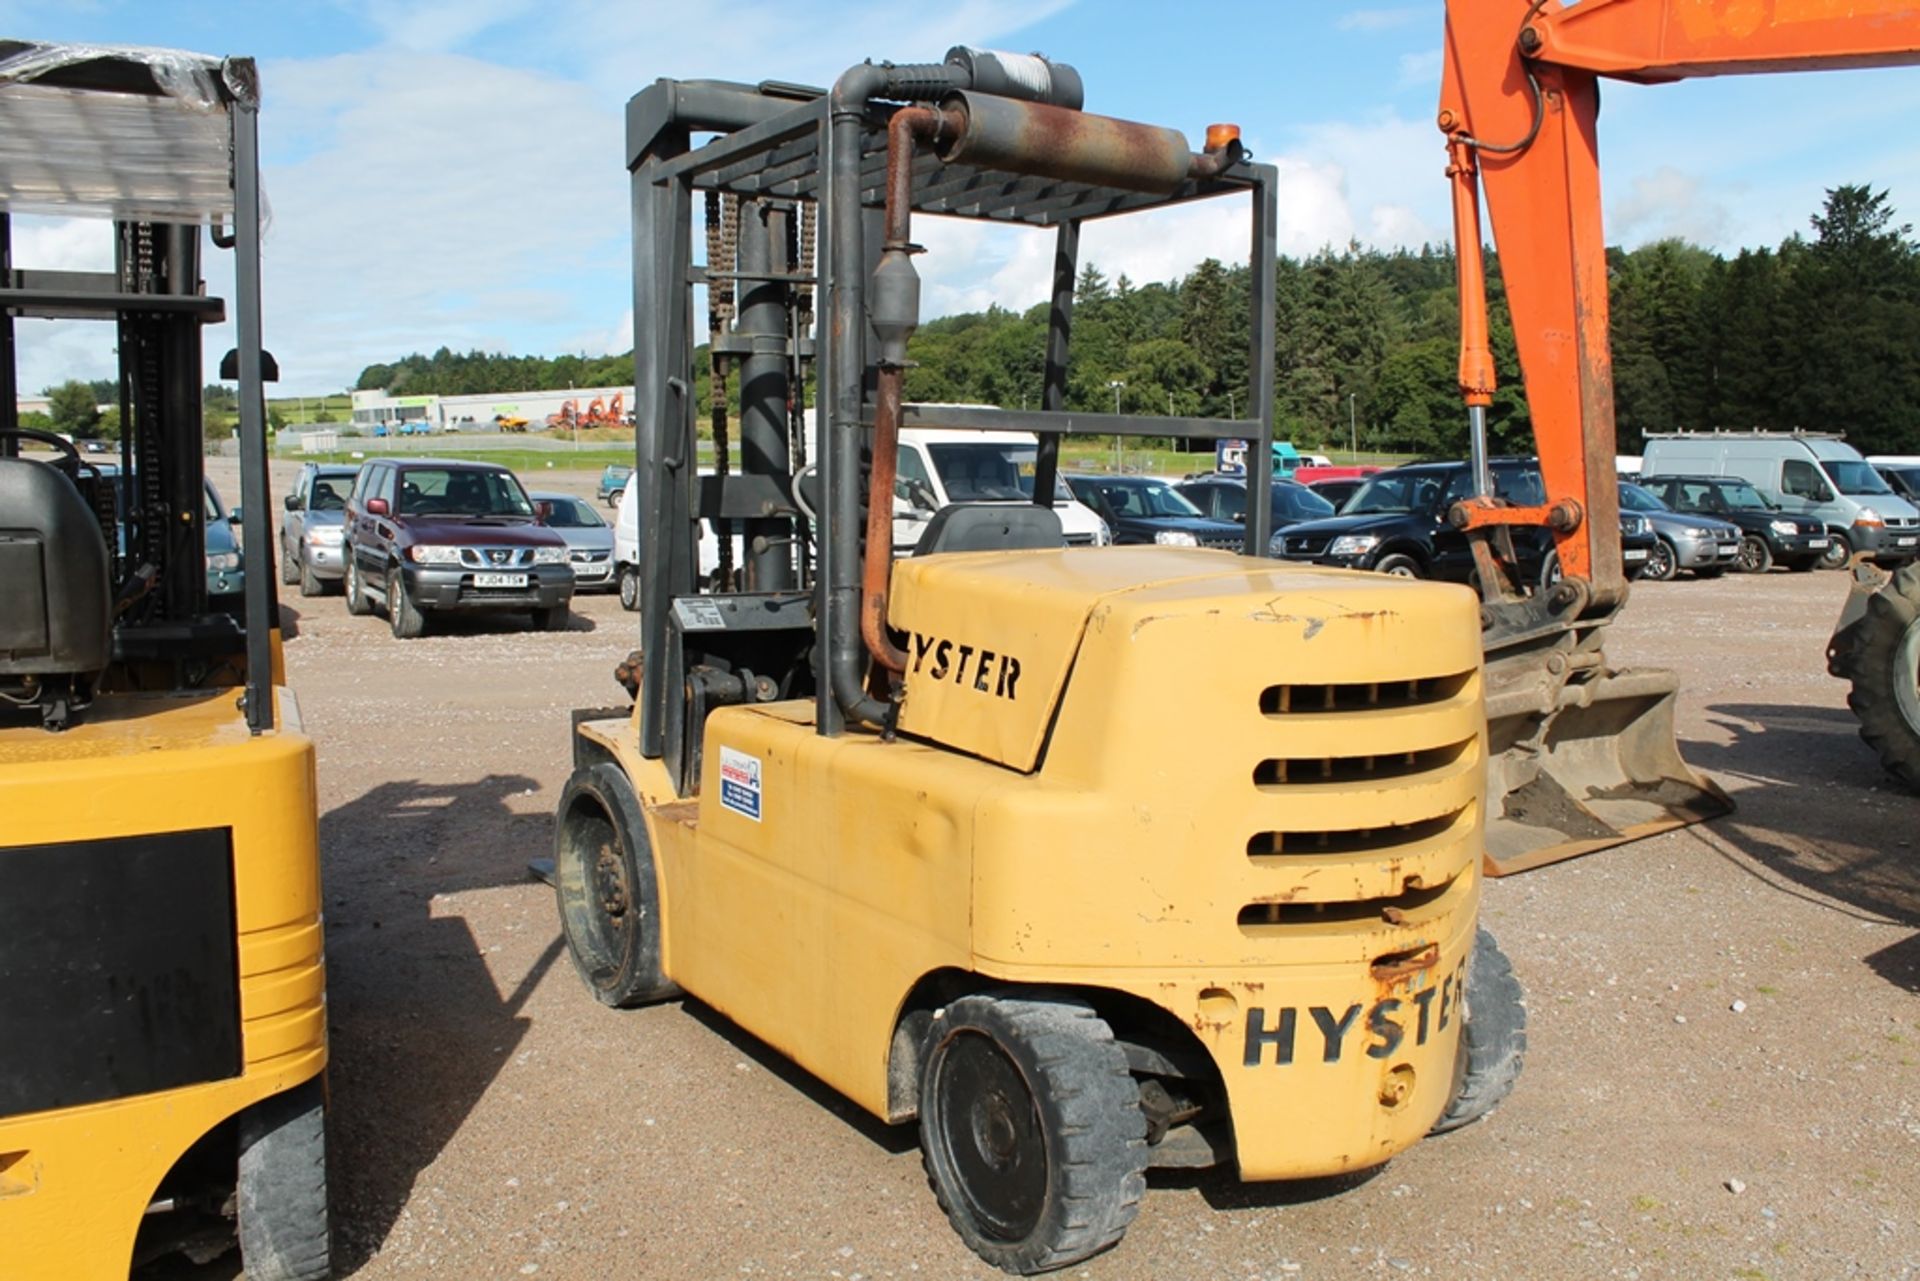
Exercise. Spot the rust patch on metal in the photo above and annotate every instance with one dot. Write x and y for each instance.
(1396, 967)
(685, 813)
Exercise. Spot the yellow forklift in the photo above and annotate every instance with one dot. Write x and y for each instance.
(1090, 859)
(162, 992)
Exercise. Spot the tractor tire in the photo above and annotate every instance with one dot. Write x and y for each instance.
(608, 889)
(1756, 557)
(629, 588)
(402, 614)
(1400, 565)
(356, 590)
(1031, 1130)
(1494, 1041)
(1886, 676)
(281, 1191)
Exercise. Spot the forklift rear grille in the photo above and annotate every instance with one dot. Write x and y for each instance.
(1386, 840)
(1293, 771)
(1257, 918)
(1420, 691)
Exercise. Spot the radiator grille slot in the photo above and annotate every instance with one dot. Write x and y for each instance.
(1363, 696)
(1256, 916)
(1293, 771)
(1359, 840)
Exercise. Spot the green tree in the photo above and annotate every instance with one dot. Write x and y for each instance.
(73, 408)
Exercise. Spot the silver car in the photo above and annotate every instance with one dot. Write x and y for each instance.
(589, 539)
(311, 533)
(1682, 540)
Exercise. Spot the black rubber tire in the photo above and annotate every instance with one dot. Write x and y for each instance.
(311, 584)
(1839, 552)
(606, 886)
(1493, 1043)
(1886, 676)
(1031, 1130)
(402, 614)
(1400, 565)
(289, 569)
(1662, 562)
(629, 588)
(551, 620)
(356, 590)
(1755, 556)
(1549, 571)
(281, 1192)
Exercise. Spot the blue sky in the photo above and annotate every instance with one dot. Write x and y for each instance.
(448, 172)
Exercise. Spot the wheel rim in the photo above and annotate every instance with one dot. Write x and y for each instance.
(1751, 555)
(1836, 554)
(1400, 569)
(1660, 562)
(990, 1134)
(629, 590)
(394, 596)
(353, 580)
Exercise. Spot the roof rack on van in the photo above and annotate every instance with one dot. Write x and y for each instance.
(1747, 433)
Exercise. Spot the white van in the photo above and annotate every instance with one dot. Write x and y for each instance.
(938, 467)
(1806, 473)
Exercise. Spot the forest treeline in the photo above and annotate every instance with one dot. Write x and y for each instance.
(1820, 333)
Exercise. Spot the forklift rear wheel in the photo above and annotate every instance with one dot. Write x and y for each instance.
(1031, 1130)
(356, 590)
(604, 880)
(282, 1187)
(1494, 1041)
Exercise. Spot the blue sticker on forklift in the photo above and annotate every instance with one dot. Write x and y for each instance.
(740, 783)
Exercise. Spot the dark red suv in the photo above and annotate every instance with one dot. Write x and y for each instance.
(426, 535)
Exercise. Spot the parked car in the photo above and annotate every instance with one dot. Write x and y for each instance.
(226, 572)
(589, 538)
(1638, 544)
(1225, 498)
(1706, 545)
(1902, 478)
(938, 467)
(428, 536)
(313, 532)
(1769, 536)
(1803, 474)
(1397, 524)
(1141, 509)
(612, 481)
(1338, 490)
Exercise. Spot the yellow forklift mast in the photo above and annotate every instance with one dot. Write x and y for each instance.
(162, 987)
(1088, 859)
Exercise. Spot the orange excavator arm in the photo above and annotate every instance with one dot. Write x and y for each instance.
(1518, 102)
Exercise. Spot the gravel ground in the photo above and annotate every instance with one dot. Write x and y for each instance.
(1720, 1080)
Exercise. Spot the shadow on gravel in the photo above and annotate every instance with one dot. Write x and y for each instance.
(419, 1025)
(892, 1139)
(1223, 1189)
(1816, 810)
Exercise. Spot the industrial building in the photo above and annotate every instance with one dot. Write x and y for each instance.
(479, 412)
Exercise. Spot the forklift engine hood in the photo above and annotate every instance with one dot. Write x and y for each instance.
(991, 637)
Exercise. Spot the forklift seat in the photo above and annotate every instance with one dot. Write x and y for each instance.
(54, 575)
(991, 527)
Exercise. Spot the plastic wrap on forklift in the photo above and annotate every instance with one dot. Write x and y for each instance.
(133, 156)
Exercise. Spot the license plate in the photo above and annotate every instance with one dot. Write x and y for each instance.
(1635, 553)
(1905, 542)
(499, 580)
(1816, 542)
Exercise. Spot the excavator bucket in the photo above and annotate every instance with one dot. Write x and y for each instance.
(1583, 757)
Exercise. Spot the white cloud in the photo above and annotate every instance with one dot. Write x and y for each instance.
(1421, 69)
(1668, 203)
(1381, 19)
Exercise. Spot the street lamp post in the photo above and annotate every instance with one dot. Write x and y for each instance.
(1119, 460)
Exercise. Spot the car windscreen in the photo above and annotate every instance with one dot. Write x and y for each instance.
(1396, 493)
(330, 493)
(1851, 476)
(1297, 502)
(447, 491)
(213, 512)
(1636, 499)
(990, 471)
(1145, 498)
(572, 513)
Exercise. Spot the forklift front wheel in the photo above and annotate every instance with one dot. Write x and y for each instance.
(281, 1192)
(606, 886)
(1031, 1130)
